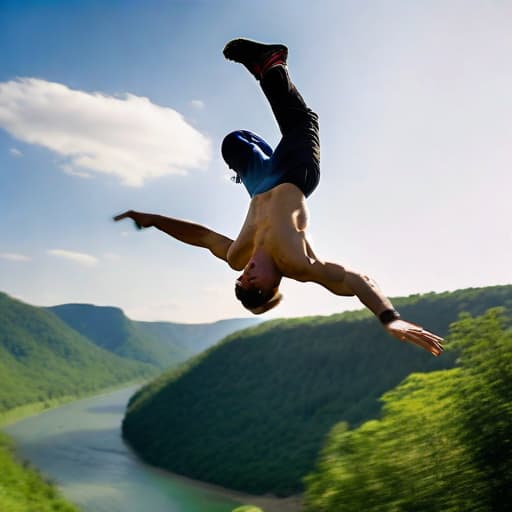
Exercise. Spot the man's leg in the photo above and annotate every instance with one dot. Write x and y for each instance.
(297, 156)
(290, 109)
(267, 63)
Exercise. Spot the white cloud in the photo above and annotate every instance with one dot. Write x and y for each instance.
(77, 257)
(15, 152)
(69, 169)
(11, 256)
(197, 104)
(127, 136)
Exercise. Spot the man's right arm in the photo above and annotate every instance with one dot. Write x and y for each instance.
(187, 232)
(341, 281)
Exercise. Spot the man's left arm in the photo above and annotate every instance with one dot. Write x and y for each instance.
(183, 230)
(342, 281)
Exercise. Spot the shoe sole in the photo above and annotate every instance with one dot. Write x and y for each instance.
(246, 51)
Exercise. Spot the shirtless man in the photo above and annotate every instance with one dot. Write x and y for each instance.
(272, 243)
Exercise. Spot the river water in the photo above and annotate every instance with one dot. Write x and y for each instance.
(80, 447)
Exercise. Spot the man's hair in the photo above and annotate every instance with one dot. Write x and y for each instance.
(256, 301)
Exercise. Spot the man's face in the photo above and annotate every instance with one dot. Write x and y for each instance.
(258, 287)
(257, 277)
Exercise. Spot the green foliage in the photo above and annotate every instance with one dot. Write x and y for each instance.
(162, 344)
(47, 355)
(110, 329)
(252, 412)
(42, 358)
(194, 338)
(247, 508)
(75, 349)
(484, 402)
(443, 443)
(23, 489)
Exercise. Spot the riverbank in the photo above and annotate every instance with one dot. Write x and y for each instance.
(32, 409)
(103, 418)
(268, 503)
(23, 488)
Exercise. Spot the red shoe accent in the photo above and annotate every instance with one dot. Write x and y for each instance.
(276, 59)
(257, 57)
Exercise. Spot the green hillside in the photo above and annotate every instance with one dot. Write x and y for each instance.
(42, 358)
(252, 412)
(194, 338)
(444, 442)
(47, 354)
(163, 344)
(24, 489)
(109, 328)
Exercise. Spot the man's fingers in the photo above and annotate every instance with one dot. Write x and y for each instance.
(434, 345)
(425, 340)
(435, 351)
(427, 335)
(433, 340)
(130, 214)
(412, 333)
(120, 216)
(433, 336)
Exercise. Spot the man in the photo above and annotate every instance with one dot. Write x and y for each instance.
(272, 243)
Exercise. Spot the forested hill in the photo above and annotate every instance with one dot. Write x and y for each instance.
(443, 442)
(74, 349)
(252, 412)
(194, 338)
(109, 328)
(42, 358)
(160, 343)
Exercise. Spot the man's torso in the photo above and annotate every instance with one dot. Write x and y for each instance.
(276, 221)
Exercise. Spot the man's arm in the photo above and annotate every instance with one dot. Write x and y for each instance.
(184, 231)
(342, 281)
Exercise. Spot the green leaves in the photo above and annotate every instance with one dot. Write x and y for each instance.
(443, 442)
(22, 488)
(484, 402)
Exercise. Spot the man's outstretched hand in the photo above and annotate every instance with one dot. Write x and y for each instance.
(142, 220)
(412, 333)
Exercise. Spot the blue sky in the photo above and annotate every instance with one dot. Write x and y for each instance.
(108, 106)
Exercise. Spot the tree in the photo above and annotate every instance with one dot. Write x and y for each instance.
(485, 402)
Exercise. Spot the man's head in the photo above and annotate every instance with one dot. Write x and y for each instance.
(238, 149)
(258, 287)
(256, 300)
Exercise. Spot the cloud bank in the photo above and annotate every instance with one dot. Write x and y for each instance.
(126, 136)
(76, 257)
(11, 256)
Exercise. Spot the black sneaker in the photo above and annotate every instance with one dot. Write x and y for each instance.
(257, 57)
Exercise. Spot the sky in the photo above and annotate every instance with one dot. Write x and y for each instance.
(107, 106)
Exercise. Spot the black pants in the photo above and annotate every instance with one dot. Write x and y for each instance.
(298, 152)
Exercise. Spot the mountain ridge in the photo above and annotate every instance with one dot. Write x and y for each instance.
(251, 412)
(42, 358)
(47, 354)
(159, 343)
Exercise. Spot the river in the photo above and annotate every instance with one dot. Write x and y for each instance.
(80, 447)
